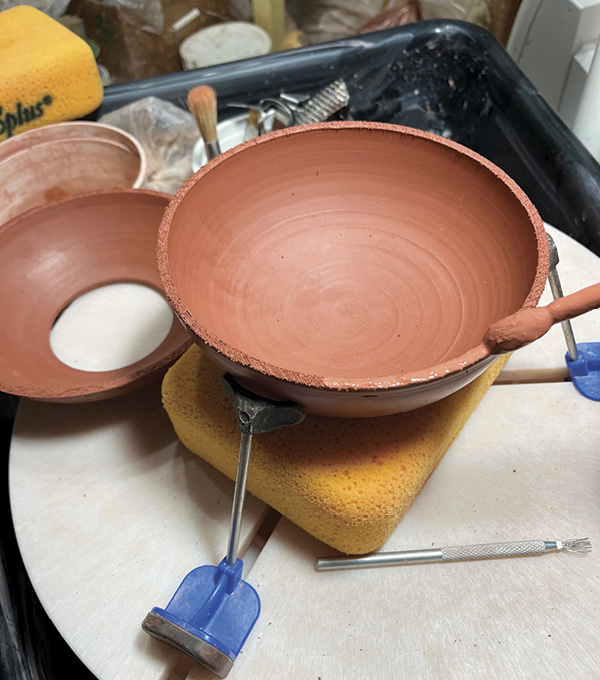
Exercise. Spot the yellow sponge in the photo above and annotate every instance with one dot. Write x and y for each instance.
(348, 482)
(49, 74)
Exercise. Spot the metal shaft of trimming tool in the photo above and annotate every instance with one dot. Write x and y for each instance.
(255, 415)
(238, 499)
(452, 554)
(557, 292)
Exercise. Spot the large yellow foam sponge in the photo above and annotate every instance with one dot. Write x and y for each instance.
(48, 73)
(348, 482)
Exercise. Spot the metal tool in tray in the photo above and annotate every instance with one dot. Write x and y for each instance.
(289, 109)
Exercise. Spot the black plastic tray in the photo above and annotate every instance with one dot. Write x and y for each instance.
(450, 78)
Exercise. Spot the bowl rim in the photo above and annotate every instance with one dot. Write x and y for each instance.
(439, 371)
(13, 145)
(101, 384)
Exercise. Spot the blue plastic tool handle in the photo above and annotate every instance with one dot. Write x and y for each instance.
(585, 371)
(215, 605)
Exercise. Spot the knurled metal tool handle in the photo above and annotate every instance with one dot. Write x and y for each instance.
(324, 104)
(486, 550)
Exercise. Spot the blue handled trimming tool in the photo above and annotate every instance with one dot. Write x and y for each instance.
(213, 611)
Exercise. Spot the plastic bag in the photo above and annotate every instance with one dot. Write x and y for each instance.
(53, 8)
(168, 135)
(474, 11)
(406, 13)
(325, 20)
(496, 16)
(149, 11)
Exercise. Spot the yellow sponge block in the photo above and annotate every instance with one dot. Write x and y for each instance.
(348, 482)
(49, 74)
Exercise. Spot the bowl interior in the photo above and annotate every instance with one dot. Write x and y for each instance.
(54, 162)
(349, 252)
(49, 256)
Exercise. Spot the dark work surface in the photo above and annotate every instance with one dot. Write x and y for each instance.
(449, 78)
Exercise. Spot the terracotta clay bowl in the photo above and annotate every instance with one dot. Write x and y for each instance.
(353, 268)
(53, 162)
(51, 255)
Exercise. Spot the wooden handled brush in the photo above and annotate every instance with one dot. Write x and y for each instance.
(202, 102)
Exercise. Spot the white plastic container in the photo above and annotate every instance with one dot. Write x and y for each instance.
(221, 43)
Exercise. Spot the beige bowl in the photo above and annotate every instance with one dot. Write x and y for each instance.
(58, 161)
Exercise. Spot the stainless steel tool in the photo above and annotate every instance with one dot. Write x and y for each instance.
(325, 104)
(557, 292)
(481, 551)
(288, 109)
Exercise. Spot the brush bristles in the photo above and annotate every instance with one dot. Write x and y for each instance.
(202, 102)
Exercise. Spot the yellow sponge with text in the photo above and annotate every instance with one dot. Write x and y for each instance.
(49, 74)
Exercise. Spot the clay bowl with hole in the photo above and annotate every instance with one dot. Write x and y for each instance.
(350, 267)
(54, 162)
(49, 257)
